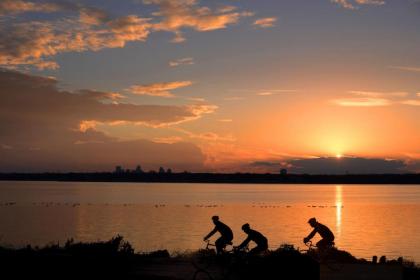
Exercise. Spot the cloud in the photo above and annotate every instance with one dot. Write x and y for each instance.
(197, 99)
(34, 101)
(265, 22)
(93, 16)
(265, 93)
(406, 68)
(412, 102)
(11, 7)
(374, 99)
(351, 165)
(379, 94)
(168, 140)
(362, 102)
(234, 98)
(353, 5)
(179, 14)
(227, 9)
(31, 43)
(207, 136)
(79, 28)
(159, 89)
(48, 128)
(225, 120)
(181, 61)
(275, 92)
(335, 166)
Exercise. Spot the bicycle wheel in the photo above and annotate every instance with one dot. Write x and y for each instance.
(334, 265)
(202, 274)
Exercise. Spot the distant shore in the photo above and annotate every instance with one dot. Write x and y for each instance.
(227, 178)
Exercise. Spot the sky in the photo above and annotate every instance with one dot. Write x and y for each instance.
(319, 86)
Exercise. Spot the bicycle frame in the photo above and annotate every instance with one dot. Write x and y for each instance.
(208, 245)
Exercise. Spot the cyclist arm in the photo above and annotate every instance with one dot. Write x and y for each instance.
(312, 234)
(211, 233)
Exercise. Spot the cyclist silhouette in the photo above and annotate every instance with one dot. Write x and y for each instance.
(257, 237)
(323, 231)
(225, 232)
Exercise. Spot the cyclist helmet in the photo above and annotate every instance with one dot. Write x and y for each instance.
(246, 226)
(215, 218)
(312, 220)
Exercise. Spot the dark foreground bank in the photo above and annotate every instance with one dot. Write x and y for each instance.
(236, 178)
(116, 259)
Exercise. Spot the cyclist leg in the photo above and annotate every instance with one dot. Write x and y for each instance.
(322, 244)
(220, 244)
(258, 250)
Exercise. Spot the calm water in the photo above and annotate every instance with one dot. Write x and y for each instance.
(366, 219)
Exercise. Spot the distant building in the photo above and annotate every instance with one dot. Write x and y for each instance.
(161, 170)
(169, 171)
(138, 169)
(283, 171)
(119, 169)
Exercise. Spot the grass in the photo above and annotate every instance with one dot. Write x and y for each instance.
(117, 258)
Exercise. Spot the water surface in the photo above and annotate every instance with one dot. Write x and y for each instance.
(366, 219)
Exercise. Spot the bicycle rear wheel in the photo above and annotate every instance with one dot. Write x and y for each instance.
(202, 274)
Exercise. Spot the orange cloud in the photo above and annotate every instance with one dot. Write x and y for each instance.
(412, 102)
(374, 98)
(275, 92)
(379, 94)
(31, 43)
(265, 22)
(181, 61)
(159, 89)
(362, 102)
(91, 16)
(168, 140)
(208, 136)
(178, 14)
(352, 5)
(45, 106)
(197, 99)
(20, 6)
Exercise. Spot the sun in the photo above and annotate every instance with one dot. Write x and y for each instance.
(338, 155)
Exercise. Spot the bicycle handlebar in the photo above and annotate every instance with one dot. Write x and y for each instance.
(209, 244)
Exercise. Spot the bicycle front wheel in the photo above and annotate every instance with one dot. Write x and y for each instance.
(334, 265)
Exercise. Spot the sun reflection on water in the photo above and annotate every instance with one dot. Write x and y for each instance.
(338, 205)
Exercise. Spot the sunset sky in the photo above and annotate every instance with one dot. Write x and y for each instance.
(219, 86)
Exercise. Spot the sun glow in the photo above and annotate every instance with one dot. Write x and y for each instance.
(338, 155)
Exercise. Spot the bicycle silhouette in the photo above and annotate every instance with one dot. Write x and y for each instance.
(324, 256)
(225, 265)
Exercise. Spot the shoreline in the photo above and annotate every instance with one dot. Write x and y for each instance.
(216, 178)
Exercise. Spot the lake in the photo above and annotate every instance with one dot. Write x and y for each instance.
(366, 219)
